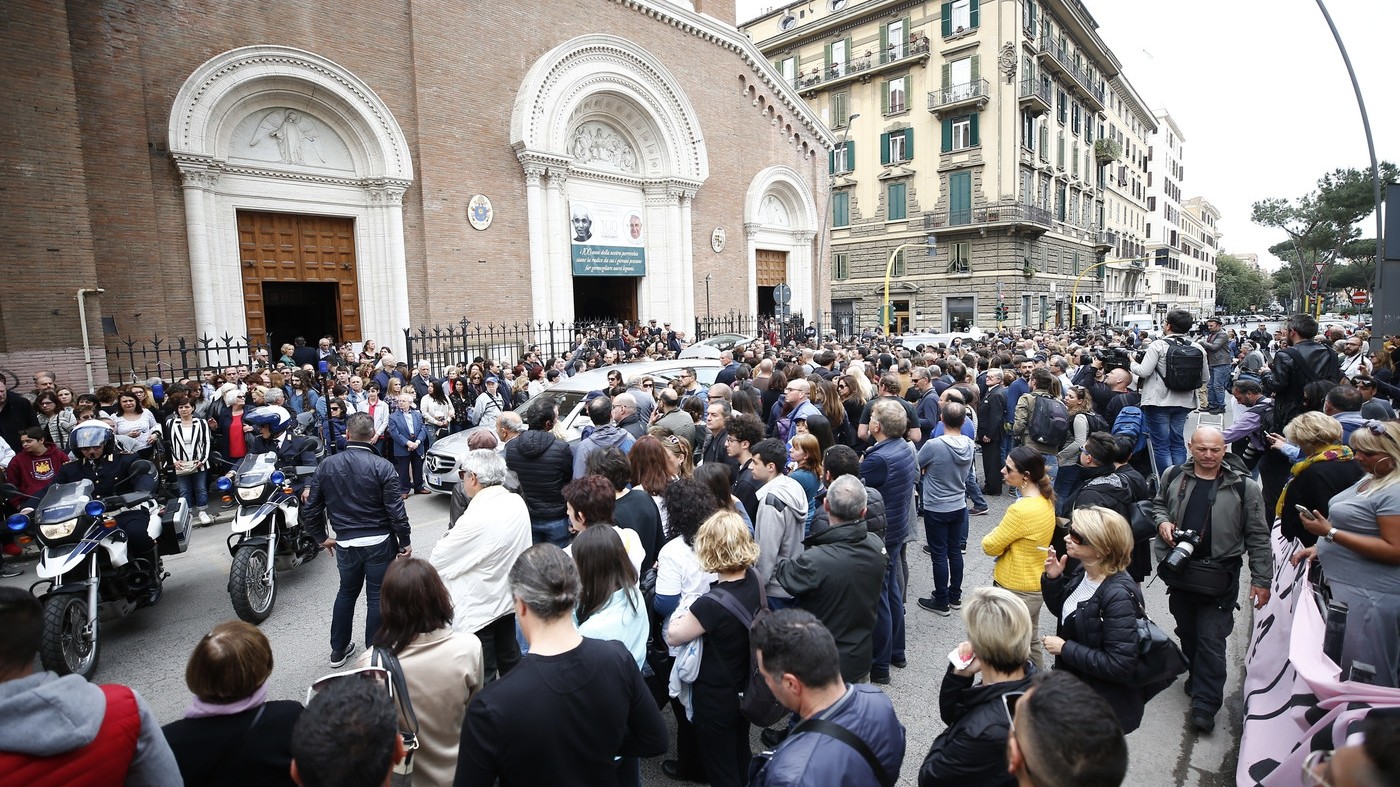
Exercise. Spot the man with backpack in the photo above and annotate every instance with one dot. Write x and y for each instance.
(1172, 369)
(1302, 361)
(1043, 420)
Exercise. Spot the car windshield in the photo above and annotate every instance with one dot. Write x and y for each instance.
(256, 469)
(62, 502)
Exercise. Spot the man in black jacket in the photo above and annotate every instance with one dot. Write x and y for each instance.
(990, 426)
(544, 464)
(16, 415)
(357, 490)
(1305, 360)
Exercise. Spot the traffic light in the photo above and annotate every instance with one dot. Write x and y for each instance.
(1001, 311)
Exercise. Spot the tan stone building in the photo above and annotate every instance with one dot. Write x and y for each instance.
(352, 169)
(970, 126)
(1127, 126)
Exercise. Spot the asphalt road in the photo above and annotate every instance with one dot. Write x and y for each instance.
(149, 649)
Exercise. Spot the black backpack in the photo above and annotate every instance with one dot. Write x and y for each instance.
(1049, 422)
(1097, 423)
(1184, 359)
(757, 702)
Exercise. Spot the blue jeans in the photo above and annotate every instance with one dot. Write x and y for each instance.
(555, 531)
(359, 566)
(1167, 425)
(973, 492)
(942, 530)
(194, 488)
(888, 637)
(1066, 479)
(1219, 380)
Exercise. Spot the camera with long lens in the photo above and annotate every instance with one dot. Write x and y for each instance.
(1113, 358)
(1186, 543)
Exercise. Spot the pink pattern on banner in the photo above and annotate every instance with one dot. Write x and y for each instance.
(1294, 701)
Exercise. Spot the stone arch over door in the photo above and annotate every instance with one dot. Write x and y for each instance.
(274, 129)
(600, 119)
(780, 214)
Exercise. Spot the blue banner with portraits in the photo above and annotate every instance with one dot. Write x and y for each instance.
(606, 239)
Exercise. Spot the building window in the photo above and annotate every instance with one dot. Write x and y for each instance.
(959, 78)
(840, 109)
(842, 159)
(896, 146)
(894, 44)
(837, 56)
(959, 15)
(1061, 104)
(1060, 150)
(896, 94)
(960, 198)
(959, 313)
(960, 133)
(841, 209)
(840, 266)
(1075, 122)
(1028, 131)
(896, 204)
(788, 67)
(898, 268)
(960, 258)
(1060, 202)
(1076, 264)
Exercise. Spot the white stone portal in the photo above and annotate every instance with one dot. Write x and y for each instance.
(780, 214)
(598, 118)
(271, 128)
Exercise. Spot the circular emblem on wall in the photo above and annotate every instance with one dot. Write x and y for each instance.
(717, 240)
(479, 212)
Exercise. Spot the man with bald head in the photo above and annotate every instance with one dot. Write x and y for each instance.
(1212, 509)
(798, 394)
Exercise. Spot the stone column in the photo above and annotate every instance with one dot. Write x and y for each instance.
(657, 292)
(383, 282)
(802, 273)
(686, 264)
(536, 221)
(750, 234)
(559, 306)
(213, 296)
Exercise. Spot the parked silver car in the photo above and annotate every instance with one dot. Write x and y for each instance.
(440, 466)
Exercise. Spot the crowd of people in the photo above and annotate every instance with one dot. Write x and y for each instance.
(702, 547)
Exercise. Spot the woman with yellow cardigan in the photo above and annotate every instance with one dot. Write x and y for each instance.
(1018, 542)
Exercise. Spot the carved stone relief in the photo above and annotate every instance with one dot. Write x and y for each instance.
(287, 136)
(599, 145)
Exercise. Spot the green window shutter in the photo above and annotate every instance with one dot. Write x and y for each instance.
(850, 54)
(909, 144)
(947, 14)
(897, 209)
(831, 163)
(947, 75)
(976, 67)
(828, 57)
(972, 14)
(908, 34)
(884, 98)
(972, 132)
(947, 135)
(884, 38)
(850, 155)
(884, 149)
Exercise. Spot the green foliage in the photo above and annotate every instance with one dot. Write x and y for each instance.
(1322, 225)
(1239, 288)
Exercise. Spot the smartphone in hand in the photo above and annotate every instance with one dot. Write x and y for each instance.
(1304, 512)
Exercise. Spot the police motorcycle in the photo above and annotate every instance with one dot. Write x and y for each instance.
(82, 523)
(267, 533)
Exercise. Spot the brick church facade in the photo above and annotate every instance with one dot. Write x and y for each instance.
(190, 168)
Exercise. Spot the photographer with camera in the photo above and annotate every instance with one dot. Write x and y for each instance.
(1172, 370)
(1209, 512)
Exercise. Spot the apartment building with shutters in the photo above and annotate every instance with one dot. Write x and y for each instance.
(1124, 131)
(967, 126)
(1182, 234)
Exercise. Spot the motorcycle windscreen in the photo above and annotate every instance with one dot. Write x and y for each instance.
(256, 469)
(62, 502)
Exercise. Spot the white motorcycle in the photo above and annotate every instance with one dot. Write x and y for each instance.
(267, 533)
(84, 560)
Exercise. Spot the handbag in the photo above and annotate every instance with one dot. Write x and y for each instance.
(756, 701)
(187, 466)
(1202, 576)
(1160, 659)
(398, 691)
(1140, 520)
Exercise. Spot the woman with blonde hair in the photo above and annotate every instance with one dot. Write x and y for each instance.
(680, 455)
(1096, 610)
(1360, 552)
(1080, 406)
(1325, 469)
(723, 546)
(1027, 527)
(231, 734)
(806, 455)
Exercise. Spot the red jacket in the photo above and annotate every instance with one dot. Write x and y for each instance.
(32, 474)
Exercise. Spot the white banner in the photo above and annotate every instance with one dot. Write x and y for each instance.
(1294, 702)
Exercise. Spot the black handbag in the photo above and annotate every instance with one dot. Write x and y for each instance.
(1160, 660)
(1202, 576)
(402, 775)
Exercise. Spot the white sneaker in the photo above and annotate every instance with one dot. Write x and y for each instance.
(204, 518)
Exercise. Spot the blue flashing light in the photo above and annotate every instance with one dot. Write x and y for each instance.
(95, 509)
(278, 477)
(17, 522)
(224, 484)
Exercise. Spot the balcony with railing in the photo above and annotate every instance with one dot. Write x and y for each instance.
(1055, 57)
(971, 95)
(1102, 239)
(1015, 216)
(893, 58)
(1035, 95)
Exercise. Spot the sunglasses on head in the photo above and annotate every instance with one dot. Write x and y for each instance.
(377, 675)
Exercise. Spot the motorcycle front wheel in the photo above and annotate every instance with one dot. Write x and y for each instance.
(67, 647)
(252, 588)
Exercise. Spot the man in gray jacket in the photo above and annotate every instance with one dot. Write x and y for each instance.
(944, 462)
(782, 513)
(1217, 346)
(1166, 409)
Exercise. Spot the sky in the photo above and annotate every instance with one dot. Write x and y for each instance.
(1258, 89)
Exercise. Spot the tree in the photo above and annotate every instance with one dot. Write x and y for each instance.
(1321, 225)
(1239, 288)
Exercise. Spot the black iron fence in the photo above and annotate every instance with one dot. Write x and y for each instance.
(465, 340)
(130, 360)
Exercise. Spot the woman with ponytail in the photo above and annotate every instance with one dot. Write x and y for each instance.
(1019, 541)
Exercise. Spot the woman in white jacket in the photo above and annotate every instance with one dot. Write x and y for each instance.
(474, 559)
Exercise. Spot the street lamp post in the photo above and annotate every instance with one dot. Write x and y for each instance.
(707, 296)
(887, 308)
